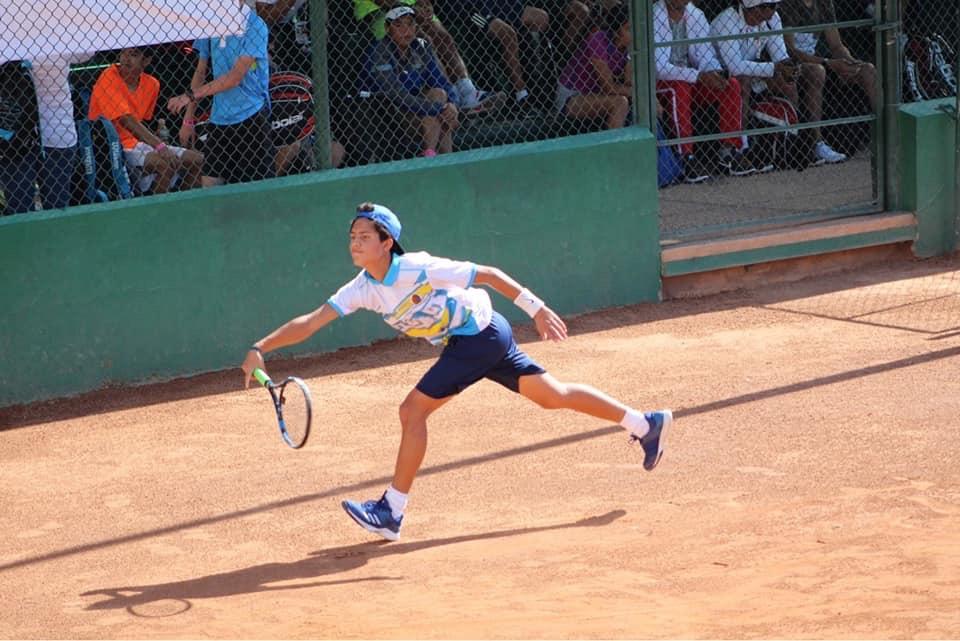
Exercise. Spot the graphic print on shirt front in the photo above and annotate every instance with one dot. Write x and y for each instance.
(424, 313)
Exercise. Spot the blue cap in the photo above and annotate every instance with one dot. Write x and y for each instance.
(389, 220)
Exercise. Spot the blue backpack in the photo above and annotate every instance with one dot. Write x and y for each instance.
(669, 168)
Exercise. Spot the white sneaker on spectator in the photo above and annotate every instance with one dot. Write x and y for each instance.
(824, 153)
(484, 101)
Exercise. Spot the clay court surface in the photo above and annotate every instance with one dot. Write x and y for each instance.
(811, 488)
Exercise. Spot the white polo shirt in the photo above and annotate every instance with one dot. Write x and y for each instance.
(421, 296)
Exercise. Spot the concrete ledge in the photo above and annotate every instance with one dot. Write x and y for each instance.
(780, 244)
(699, 284)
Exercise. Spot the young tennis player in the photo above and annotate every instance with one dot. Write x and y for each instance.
(439, 299)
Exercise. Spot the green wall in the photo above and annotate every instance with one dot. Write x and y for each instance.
(157, 288)
(927, 161)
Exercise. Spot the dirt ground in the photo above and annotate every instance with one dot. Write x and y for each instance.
(811, 488)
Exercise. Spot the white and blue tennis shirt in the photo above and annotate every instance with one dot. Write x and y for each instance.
(422, 296)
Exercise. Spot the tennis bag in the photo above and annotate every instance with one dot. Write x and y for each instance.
(928, 71)
(789, 149)
(109, 165)
(291, 107)
(88, 164)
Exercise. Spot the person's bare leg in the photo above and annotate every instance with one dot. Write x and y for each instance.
(414, 411)
(549, 393)
(337, 153)
(192, 163)
(162, 169)
(535, 19)
(507, 37)
(431, 126)
(813, 77)
(613, 108)
(286, 155)
(867, 79)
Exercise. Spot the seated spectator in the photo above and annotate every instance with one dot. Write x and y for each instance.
(500, 20)
(239, 147)
(289, 42)
(404, 69)
(127, 96)
(289, 155)
(777, 74)
(597, 81)
(467, 97)
(693, 75)
(19, 142)
(810, 48)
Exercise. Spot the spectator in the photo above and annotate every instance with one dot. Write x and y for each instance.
(127, 96)
(597, 81)
(19, 139)
(239, 147)
(693, 76)
(499, 20)
(289, 36)
(405, 69)
(429, 26)
(777, 73)
(58, 131)
(809, 47)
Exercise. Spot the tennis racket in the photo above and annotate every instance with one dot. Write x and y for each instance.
(291, 400)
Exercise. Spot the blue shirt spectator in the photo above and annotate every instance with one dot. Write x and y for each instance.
(403, 76)
(239, 144)
(252, 94)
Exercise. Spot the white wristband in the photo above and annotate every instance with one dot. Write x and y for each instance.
(528, 302)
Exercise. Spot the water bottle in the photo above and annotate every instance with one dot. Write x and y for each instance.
(162, 132)
(301, 30)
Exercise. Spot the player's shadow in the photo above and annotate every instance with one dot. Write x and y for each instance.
(322, 563)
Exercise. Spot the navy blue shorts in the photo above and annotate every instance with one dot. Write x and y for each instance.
(490, 354)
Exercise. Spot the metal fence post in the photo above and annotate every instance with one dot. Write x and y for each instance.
(956, 154)
(321, 81)
(891, 104)
(641, 12)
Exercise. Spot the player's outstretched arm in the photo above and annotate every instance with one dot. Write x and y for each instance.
(292, 332)
(549, 324)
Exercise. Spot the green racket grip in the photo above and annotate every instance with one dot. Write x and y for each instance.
(261, 376)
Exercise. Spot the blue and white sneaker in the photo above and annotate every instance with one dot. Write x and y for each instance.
(654, 441)
(375, 516)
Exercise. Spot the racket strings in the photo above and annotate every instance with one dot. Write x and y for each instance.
(295, 412)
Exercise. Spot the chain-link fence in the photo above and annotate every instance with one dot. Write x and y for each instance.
(742, 90)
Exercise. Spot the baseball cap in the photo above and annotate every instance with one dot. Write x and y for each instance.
(750, 4)
(389, 220)
(399, 12)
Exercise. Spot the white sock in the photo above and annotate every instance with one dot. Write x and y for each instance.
(522, 95)
(468, 91)
(397, 501)
(635, 423)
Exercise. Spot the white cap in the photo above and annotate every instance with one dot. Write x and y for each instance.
(750, 4)
(399, 12)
